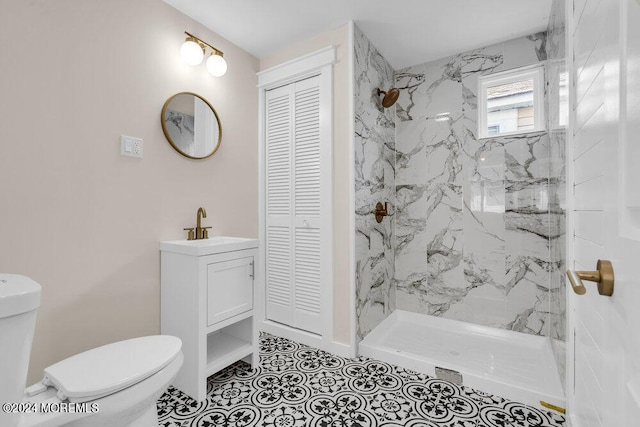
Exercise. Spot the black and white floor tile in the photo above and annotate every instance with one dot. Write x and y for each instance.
(299, 386)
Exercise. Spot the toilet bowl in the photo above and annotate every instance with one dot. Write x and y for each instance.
(114, 385)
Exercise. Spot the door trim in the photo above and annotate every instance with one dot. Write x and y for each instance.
(318, 63)
(570, 219)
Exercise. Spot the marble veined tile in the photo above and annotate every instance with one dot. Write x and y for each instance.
(483, 304)
(470, 107)
(374, 182)
(410, 231)
(444, 237)
(528, 258)
(476, 63)
(466, 129)
(443, 227)
(526, 210)
(443, 88)
(484, 232)
(412, 294)
(485, 60)
(411, 247)
(557, 160)
(443, 152)
(411, 103)
(411, 263)
(478, 224)
(411, 204)
(371, 165)
(389, 164)
(483, 160)
(528, 306)
(484, 253)
(525, 50)
(374, 273)
(484, 203)
(557, 309)
(557, 314)
(526, 156)
(410, 154)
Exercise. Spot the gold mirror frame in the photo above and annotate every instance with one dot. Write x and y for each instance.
(166, 131)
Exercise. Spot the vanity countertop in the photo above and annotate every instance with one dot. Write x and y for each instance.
(213, 245)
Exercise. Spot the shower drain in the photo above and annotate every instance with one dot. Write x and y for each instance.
(449, 375)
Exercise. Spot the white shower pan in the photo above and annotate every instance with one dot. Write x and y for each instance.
(509, 364)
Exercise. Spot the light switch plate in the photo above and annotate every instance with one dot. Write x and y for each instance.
(130, 146)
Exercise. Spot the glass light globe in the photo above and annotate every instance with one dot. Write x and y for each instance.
(216, 65)
(192, 53)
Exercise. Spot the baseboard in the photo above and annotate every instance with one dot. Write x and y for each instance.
(341, 349)
(306, 338)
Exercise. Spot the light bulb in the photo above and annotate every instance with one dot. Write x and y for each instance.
(192, 52)
(216, 65)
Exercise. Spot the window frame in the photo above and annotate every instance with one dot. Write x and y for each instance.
(535, 73)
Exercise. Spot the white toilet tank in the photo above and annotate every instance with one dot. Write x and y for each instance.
(19, 302)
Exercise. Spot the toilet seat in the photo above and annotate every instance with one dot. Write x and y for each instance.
(108, 369)
(114, 409)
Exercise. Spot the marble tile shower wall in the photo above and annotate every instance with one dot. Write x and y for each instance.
(374, 182)
(472, 218)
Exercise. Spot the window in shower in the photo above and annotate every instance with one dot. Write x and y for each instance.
(511, 102)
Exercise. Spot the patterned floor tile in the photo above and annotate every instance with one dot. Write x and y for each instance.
(299, 386)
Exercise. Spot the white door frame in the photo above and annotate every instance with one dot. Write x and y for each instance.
(318, 63)
(603, 351)
(569, 220)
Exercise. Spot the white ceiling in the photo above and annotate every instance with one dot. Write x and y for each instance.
(406, 32)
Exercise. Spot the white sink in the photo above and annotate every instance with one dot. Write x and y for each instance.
(213, 245)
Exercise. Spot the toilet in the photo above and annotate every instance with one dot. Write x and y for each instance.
(114, 385)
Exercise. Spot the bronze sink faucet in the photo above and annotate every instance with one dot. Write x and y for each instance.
(200, 231)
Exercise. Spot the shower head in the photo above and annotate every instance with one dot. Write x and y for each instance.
(390, 96)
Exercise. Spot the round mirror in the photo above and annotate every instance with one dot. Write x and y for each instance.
(191, 125)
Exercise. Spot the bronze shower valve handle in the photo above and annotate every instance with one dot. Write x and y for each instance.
(380, 211)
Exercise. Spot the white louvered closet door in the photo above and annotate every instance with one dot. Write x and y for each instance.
(293, 194)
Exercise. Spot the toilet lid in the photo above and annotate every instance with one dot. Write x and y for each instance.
(18, 294)
(113, 367)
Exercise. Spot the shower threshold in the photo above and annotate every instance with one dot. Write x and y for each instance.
(513, 365)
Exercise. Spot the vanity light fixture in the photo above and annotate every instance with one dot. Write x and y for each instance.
(193, 50)
(216, 65)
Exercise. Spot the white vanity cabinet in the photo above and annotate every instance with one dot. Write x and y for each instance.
(229, 288)
(207, 300)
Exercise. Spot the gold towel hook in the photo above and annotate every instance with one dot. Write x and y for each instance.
(603, 277)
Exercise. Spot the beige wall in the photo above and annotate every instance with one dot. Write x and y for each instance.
(339, 38)
(75, 215)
